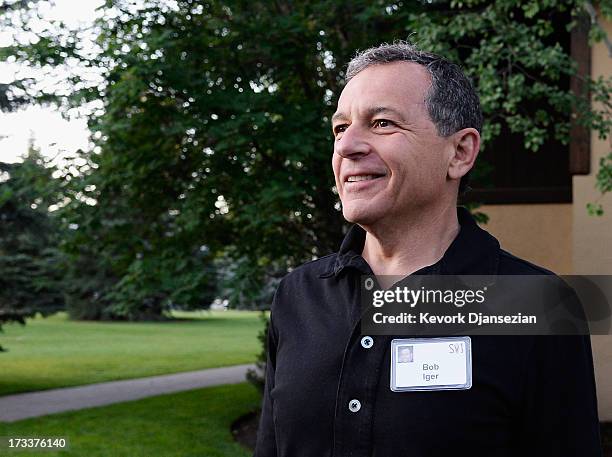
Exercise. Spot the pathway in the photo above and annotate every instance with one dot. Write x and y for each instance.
(22, 406)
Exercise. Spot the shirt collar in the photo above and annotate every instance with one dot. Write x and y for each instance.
(474, 251)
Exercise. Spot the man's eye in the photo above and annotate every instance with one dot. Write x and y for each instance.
(340, 128)
(382, 123)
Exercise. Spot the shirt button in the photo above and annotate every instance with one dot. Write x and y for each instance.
(354, 406)
(367, 342)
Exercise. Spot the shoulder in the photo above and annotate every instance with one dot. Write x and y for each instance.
(302, 290)
(510, 264)
(311, 270)
(555, 297)
(306, 275)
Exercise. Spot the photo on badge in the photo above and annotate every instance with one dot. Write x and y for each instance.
(405, 354)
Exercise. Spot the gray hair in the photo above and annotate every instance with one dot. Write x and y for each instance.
(452, 102)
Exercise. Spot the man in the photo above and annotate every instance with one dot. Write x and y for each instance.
(407, 132)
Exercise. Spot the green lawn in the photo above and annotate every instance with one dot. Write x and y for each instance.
(194, 423)
(56, 352)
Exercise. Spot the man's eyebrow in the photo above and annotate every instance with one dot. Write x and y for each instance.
(370, 112)
(338, 116)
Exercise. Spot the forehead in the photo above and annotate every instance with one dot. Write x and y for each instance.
(398, 85)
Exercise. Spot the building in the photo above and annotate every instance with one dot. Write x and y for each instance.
(552, 227)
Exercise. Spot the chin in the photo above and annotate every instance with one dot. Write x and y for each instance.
(361, 216)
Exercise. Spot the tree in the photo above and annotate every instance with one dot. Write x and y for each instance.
(30, 261)
(213, 136)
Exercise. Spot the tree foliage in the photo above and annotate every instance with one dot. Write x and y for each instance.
(212, 138)
(30, 261)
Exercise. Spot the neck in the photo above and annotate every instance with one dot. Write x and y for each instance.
(401, 247)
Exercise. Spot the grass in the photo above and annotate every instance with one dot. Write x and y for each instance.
(194, 423)
(56, 352)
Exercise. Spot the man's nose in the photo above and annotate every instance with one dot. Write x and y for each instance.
(352, 144)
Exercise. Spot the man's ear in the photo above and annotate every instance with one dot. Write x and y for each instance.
(466, 146)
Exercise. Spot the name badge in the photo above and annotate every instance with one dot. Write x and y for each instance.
(431, 364)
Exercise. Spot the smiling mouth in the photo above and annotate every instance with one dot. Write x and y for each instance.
(360, 178)
(357, 178)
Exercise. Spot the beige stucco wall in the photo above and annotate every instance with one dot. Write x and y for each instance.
(592, 244)
(539, 233)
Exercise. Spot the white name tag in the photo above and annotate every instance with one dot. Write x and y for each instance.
(431, 364)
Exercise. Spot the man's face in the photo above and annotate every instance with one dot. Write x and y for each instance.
(388, 158)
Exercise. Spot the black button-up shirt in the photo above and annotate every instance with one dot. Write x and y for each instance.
(531, 395)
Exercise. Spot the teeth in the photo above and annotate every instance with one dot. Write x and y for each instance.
(361, 178)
